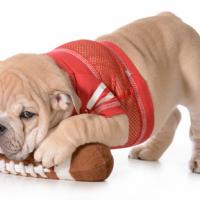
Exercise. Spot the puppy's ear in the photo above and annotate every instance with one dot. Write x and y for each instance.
(63, 100)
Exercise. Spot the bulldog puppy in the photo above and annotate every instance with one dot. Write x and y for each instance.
(37, 98)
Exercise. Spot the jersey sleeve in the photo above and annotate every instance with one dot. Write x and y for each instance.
(104, 102)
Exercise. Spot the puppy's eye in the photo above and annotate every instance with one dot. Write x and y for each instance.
(27, 115)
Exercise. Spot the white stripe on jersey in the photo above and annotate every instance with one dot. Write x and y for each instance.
(97, 93)
(106, 98)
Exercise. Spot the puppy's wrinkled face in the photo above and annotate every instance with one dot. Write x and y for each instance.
(19, 115)
(34, 97)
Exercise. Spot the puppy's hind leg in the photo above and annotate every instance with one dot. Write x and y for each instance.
(195, 137)
(156, 145)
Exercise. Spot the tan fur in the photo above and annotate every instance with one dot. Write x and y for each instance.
(35, 80)
(165, 50)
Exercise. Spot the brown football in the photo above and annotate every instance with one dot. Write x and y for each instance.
(91, 162)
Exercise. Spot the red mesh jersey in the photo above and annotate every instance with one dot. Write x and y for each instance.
(108, 83)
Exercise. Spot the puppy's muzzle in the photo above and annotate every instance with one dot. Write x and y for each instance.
(8, 142)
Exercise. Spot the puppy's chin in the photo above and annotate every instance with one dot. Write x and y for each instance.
(31, 142)
(27, 148)
(19, 156)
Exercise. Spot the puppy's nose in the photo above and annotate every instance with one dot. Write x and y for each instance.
(3, 129)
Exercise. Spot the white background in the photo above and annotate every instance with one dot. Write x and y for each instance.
(39, 26)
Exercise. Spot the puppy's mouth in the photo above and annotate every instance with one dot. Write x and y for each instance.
(20, 155)
(30, 143)
(27, 147)
(17, 156)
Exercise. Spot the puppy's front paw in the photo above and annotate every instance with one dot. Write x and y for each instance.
(195, 163)
(53, 152)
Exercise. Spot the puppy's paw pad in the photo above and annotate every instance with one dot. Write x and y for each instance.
(143, 153)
